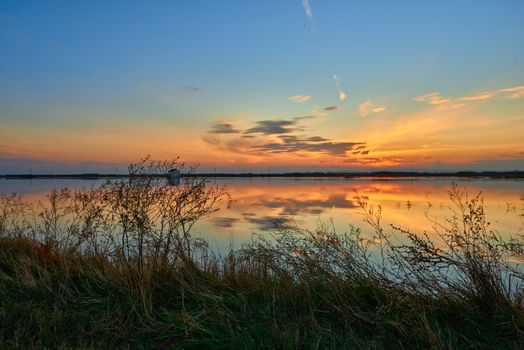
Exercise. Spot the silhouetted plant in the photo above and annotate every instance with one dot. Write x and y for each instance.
(119, 262)
(138, 220)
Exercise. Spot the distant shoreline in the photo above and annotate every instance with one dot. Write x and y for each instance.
(352, 175)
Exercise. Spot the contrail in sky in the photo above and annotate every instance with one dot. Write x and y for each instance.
(341, 94)
(309, 15)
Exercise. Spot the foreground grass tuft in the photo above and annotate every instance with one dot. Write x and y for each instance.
(80, 301)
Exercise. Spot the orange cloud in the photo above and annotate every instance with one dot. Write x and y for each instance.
(299, 98)
(367, 107)
(459, 136)
(514, 92)
(435, 98)
(479, 97)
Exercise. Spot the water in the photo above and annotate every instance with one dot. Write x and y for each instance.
(259, 203)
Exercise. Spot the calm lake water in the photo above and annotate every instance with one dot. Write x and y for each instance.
(259, 203)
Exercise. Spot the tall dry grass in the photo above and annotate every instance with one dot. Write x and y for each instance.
(116, 266)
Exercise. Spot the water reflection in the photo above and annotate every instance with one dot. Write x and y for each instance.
(225, 222)
(259, 205)
(313, 206)
(413, 205)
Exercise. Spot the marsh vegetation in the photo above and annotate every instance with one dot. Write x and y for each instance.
(117, 267)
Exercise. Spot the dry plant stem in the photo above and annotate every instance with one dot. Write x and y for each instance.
(124, 253)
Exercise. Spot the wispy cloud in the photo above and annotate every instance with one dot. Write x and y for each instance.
(309, 15)
(379, 109)
(306, 117)
(341, 94)
(191, 88)
(367, 107)
(177, 92)
(514, 92)
(319, 111)
(433, 98)
(299, 98)
(479, 97)
(223, 128)
(436, 98)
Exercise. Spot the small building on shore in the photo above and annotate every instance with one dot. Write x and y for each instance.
(173, 177)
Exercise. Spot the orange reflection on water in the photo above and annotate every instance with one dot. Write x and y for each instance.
(411, 204)
(260, 203)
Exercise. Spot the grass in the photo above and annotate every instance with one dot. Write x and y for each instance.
(65, 284)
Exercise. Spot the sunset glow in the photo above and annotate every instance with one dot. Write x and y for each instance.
(338, 85)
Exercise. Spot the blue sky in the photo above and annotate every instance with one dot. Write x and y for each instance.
(121, 70)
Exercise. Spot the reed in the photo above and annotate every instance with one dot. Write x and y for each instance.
(117, 267)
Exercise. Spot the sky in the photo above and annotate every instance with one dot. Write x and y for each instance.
(276, 85)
